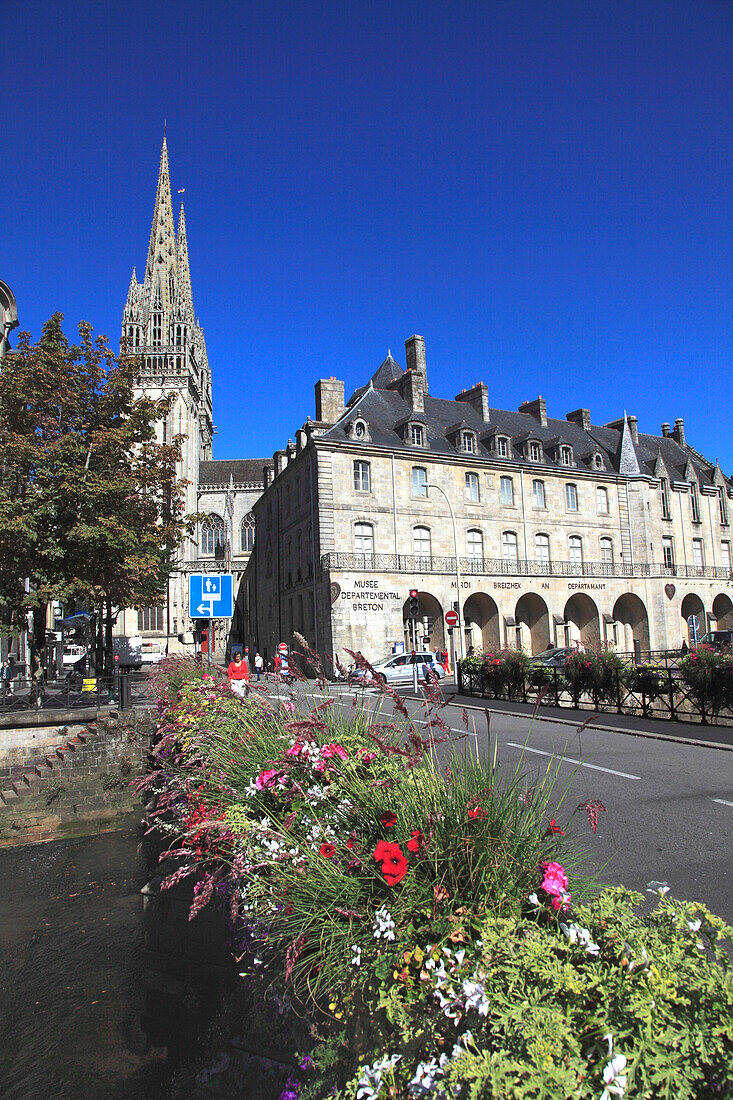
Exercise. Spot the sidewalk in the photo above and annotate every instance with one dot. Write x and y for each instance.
(686, 733)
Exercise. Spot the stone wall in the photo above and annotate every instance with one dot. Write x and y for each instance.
(70, 781)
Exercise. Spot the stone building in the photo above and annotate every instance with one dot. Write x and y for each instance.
(541, 530)
(160, 325)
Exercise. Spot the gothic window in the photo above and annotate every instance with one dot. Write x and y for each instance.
(723, 506)
(213, 535)
(247, 533)
(157, 330)
(472, 487)
(694, 502)
(664, 487)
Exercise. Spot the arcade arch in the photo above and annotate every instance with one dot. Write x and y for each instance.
(630, 613)
(481, 616)
(582, 622)
(692, 605)
(723, 612)
(533, 623)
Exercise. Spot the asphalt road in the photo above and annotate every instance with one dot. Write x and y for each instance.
(669, 803)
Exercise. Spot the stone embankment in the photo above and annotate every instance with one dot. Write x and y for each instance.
(72, 780)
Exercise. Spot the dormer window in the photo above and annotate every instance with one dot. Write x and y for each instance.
(417, 435)
(598, 461)
(359, 430)
(502, 446)
(468, 442)
(535, 451)
(566, 456)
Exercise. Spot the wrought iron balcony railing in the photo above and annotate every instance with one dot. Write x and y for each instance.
(518, 567)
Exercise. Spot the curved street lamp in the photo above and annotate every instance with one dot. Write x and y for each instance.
(457, 649)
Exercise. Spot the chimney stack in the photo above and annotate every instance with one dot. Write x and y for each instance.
(581, 417)
(537, 409)
(478, 398)
(634, 429)
(679, 431)
(665, 430)
(415, 358)
(330, 405)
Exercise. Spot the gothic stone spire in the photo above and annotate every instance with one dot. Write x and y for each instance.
(160, 272)
(184, 302)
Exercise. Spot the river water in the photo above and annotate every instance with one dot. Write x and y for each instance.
(72, 987)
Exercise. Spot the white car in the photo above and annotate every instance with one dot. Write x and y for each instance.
(397, 668)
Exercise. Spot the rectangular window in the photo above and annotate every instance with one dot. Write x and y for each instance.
(472, 487)
(538, 494)
(694, 502)
(419, 481)
(725, 555)
(542, 549)
(535, 452)
(475, 544)
(509, 546)
(150, 618)
(363, 538)
(571, 497)
(668, 553)
(664, 487)
(601, 500)
(502, 447)
(606, 552)
(416, 435)
(468, 446)
(723, 506)
(575, 549)
(697, 554)
(566, 456)
(506, 488)
(362, 478)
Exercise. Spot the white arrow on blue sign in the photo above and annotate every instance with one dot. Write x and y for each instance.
(210, 596)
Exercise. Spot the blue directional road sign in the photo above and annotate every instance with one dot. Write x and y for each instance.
(210, 596)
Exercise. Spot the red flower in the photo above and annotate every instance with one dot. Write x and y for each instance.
(351, 841)
(553, 827)
(384, 850)
(394, 868)
(327, 850)
(477, 811)
(416, 842)
(389, 819)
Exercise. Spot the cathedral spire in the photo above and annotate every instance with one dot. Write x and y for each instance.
(162, 261)
(185, 296)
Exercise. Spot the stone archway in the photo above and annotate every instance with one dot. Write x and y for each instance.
(630, 613)
(582, 621)
(481, 618)
(533, 623)
(429, 625)
(692, 605)
(723, 612)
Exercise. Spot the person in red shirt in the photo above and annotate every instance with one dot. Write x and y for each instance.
(238, 674)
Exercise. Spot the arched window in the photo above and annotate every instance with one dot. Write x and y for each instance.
(364, 539)
(213, 535)
(247, 533)
(421, 542)
(509, 546)
(575, 549)
(607, 552)
(475, 543)
(542, 551)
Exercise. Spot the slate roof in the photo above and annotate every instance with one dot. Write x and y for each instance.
(384, 409)
(245, 471)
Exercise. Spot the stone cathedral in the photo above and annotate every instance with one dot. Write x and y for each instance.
(159, 324)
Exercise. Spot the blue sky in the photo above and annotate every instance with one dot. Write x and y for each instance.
(541, 189)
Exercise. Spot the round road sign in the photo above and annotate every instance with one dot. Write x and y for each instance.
(451, 618)
(283, 647)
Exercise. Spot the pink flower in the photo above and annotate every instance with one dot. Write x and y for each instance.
(288, 706)
(334, 750)
(554, 880)
(268, 778)
(295, 750)
(366, 755)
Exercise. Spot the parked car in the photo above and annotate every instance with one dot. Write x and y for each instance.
(718, 639)
(152, 652)
(554, 658)
(397, 668)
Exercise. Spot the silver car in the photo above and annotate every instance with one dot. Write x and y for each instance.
(397, 668)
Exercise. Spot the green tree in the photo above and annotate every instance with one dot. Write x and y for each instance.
(91, 509)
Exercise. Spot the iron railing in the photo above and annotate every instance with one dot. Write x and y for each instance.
(72, 693)
(517, 567)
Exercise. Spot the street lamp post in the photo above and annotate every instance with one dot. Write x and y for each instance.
(457, 649)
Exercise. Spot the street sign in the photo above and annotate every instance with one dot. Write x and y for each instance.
(283, 647)
(451, 618)
(694, 624)
(210, 596)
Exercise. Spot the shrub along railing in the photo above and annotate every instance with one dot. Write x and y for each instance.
(699, 688)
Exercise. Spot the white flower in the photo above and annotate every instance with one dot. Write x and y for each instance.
(356, 961)
(370, 1081)
(655, 887)
(383, 924)
(694, 925)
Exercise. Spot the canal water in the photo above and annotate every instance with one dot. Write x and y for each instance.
(73, 1000)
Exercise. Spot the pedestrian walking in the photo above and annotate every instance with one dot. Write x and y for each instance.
(7, 675)
(259, 665)
(238, 675)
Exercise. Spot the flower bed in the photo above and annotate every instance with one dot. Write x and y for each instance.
(425, 914)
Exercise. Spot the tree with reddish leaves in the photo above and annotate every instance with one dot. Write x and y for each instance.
(91, 509)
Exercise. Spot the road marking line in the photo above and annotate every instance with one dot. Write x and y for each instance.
(572, 760)
(722, 802)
